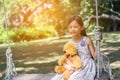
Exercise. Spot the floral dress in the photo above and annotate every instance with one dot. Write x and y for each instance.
(88, 71)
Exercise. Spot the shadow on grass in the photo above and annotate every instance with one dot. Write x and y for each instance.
(43, 68)
(111, 44)
(37, 68)
(114, 57)
(34, 58)
(116, 73)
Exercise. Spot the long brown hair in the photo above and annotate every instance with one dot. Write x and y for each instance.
(80, 22)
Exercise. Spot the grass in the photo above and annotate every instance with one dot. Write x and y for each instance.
(41, 56)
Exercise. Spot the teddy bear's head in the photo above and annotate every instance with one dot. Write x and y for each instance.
(69, 49)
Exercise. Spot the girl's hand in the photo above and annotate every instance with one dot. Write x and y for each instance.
(68, 67)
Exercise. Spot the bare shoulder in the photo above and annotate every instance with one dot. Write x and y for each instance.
(89, 41)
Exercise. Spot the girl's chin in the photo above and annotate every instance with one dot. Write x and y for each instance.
(73, 35)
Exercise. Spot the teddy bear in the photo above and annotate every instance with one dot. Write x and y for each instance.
(69, 62)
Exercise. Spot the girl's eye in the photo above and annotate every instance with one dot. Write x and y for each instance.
(70, 27)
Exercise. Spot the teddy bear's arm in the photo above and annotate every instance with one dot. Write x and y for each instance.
(61, 61)
(76, 62)
(59, 69)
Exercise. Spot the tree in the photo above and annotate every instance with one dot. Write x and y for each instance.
(109, 15)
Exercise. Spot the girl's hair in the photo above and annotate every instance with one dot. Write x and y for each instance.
(80, 22)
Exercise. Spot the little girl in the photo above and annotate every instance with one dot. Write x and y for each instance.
(85, 48)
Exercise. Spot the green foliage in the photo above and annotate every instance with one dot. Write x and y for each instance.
(110, 7)
(27, 34)
(87, 8)
(91, 28)
(3, 37)
(32, 33)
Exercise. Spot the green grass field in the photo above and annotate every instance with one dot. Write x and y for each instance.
(41, 56)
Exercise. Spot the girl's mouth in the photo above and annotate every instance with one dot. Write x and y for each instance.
(73, 32)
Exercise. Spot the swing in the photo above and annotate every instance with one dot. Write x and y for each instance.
(104, 72)
(10, 67)
(103, 65)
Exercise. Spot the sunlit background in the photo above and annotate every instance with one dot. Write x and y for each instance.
(37, 19)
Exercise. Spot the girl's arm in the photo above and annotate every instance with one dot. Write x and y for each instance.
(91, 48)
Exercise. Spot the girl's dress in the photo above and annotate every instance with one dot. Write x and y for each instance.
(88, 71)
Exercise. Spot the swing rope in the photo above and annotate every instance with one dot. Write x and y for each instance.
(10, 67)
(102, 59)
(97, 37)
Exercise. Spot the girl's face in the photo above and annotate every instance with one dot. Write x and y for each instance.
(74, 28)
